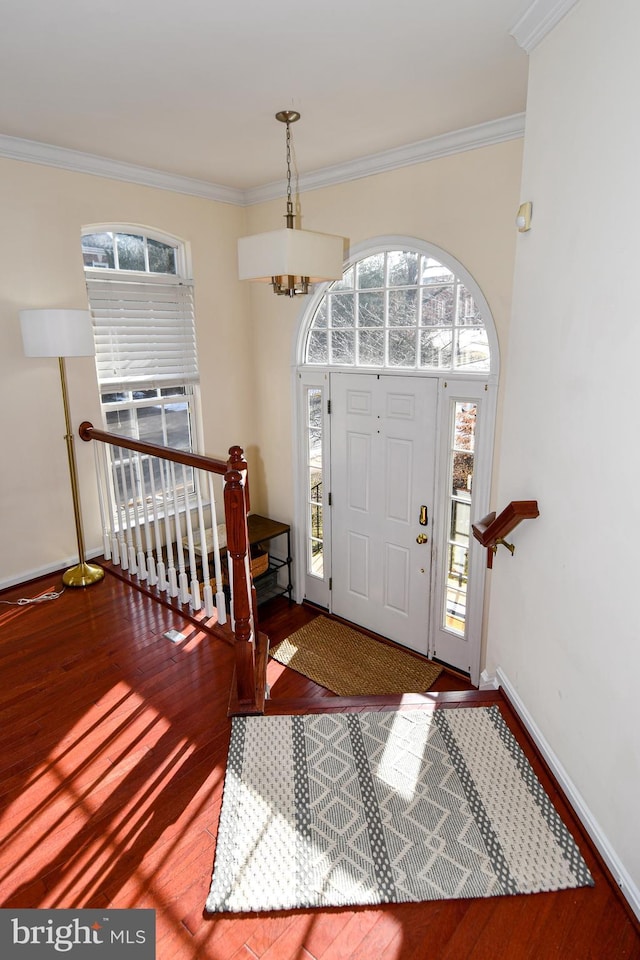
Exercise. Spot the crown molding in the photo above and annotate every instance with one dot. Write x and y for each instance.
(538, 21)
(31, 151)
(470, 138)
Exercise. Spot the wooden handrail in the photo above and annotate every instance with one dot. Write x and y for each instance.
(492, 529)
(87, 431)
(249, 647)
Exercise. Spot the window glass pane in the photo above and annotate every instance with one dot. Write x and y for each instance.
(435, 272)
(402, 348)
(114, 397)
(316, 532)
(436, 348)
(462, 474)
(97, 250)
(465, 426)
(472, 350)
(315, 408)
(438, 306)
(121, 421)
(320, 316)
(315, 448)
(173, 391)
(178, 425)
(456, 591)
(317, 347)
(342, 346)
(371, 308)
(460, 522)
(371, 348)
(130, 251)
(347, 281)
(341, 307)
(468, 313)
(402, 268)
(403, 308)
(150, 425)
(371, 271)
(458, 556)
(162, 257)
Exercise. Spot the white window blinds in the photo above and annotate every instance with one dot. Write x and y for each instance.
(144, 332)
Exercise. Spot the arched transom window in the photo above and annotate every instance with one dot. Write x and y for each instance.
(399, 309)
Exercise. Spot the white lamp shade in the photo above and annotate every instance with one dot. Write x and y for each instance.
(57, 333)
(290, 252)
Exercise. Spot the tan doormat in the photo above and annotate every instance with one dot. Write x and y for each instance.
(351, 664)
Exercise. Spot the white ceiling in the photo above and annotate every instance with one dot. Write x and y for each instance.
(191, 87)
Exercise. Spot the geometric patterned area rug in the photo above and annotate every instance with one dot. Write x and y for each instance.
(352, 664)
(384, 807)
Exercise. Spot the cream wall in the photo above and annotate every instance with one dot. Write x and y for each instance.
(43, 210)
(465, 204)
(563, 626)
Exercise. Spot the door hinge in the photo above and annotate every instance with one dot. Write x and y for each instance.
(330, 583)
(328, 406)
(330, 501)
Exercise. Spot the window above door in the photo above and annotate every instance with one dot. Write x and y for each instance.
(401, 309)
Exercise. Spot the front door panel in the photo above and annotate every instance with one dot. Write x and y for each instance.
(383, 440)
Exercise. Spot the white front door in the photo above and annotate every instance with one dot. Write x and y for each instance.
(383, 448)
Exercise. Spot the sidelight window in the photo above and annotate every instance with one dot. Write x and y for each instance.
(460, 489)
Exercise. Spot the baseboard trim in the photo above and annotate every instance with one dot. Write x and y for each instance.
(58, 567)
(628, 888)
(488, 681)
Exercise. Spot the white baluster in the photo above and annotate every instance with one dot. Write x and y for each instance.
(152, 577)
(140, 558)
(207, 592)
(108, 456)
(196, 603)
(127, 552)
(161, 569)
(172, 576)
(98, 457)
(183, 580)
(221, 600)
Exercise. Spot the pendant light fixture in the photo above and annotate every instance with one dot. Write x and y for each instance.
(292, 258)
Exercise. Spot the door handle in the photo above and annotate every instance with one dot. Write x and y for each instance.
(424, 516)
(422, 538)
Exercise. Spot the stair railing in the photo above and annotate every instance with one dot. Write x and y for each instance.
(491, 530)
(160, 527)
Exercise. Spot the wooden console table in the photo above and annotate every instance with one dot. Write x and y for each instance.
(261, 531)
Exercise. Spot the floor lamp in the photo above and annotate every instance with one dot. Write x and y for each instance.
(64, 333)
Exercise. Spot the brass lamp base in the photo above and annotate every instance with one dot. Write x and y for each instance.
(82, 575)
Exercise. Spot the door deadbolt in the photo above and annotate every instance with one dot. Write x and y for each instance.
(422, 538)
(424, 516)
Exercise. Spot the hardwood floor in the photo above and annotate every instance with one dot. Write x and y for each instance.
(111, 776)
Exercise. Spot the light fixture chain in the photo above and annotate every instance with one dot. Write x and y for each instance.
(289, 200)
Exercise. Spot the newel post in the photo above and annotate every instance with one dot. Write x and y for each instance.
(236, 503)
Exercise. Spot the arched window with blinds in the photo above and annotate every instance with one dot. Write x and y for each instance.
(141, 302)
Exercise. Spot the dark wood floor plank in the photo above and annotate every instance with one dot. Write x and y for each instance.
(111, 780)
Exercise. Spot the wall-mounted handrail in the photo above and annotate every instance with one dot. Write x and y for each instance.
(143, 500)
(492, 530)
